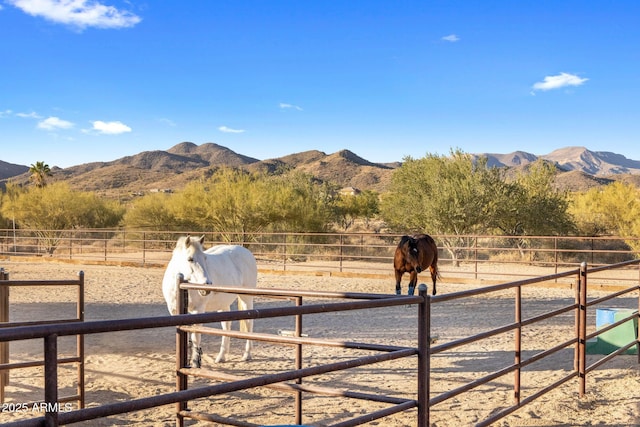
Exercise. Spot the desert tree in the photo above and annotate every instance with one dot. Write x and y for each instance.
(350, 207)
(149, 217)
(610, 210)
(39, 173)
(50, 211)
(300, 203)
(531, 205)
(454, 196)
(231, 202)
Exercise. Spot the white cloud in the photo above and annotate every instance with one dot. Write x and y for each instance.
(229, 130)
(52, 123)
(5, 113)
(559, 81)
(78, 13)
(451, 38)
(31, 115)
(110, 128)
(285, 106)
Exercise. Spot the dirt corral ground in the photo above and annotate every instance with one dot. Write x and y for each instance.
(127, 365)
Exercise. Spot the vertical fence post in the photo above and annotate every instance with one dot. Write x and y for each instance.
(4, 346)
(284, 251)
(51, 380)
(518, 345)
(106, 252)
(341, 251)
(555, 254)
(298, 396)
(638, 321)
(576, 352)
(80, 340)
(182, 303)
(582, 336)
(424, 356)
(475, 256)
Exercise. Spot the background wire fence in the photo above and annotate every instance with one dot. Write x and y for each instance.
(471, 256)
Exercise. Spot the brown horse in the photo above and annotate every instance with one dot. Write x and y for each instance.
(414, 254)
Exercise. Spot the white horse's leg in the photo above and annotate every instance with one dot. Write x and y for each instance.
(196, 350)
(195, 306)
(224, 344)
(248, 325)
(246, 303)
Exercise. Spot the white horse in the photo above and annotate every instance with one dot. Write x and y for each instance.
(223, 265)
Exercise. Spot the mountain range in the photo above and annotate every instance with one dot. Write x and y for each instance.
(169, 170)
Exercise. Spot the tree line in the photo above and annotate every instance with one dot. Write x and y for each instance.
(454, 195)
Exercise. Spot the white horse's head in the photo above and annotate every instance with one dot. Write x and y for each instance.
(190, 260)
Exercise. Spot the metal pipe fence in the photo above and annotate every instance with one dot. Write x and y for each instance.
(291, 380)
(5, 322)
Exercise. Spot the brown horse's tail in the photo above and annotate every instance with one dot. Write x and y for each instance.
(437, 271)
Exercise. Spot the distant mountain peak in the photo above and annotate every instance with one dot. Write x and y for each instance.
(574, 158)
(183, 148)
(353, 158)
(516, 158)
(597, 163)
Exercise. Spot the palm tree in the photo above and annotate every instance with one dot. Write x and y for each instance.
(39, 173)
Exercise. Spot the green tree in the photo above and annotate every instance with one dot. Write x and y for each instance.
(231, 201)
(235, 203)
(349, 207)
(11, 193)
(154, 214)
(153, 211)
(298, 203)
(614, 209)
(453, 196)
(48, 210)
(39, 173)
(531, 205)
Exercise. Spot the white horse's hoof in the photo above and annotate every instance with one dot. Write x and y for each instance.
(246, 356)
(221, 358)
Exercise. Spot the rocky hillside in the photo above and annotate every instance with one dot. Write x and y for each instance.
(170, 170)
(8, 170)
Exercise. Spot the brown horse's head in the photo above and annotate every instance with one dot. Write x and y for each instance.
(410, 252)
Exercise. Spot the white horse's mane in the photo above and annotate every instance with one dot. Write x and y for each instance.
(186, 241)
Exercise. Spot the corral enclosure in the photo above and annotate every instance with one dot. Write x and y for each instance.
(119, 368)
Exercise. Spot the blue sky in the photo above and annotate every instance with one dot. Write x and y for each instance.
(85, 81)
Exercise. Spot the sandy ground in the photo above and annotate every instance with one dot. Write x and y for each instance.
(127, 365)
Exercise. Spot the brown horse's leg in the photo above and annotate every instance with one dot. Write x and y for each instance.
(398, 279)
(412, 282)
(434, 276)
